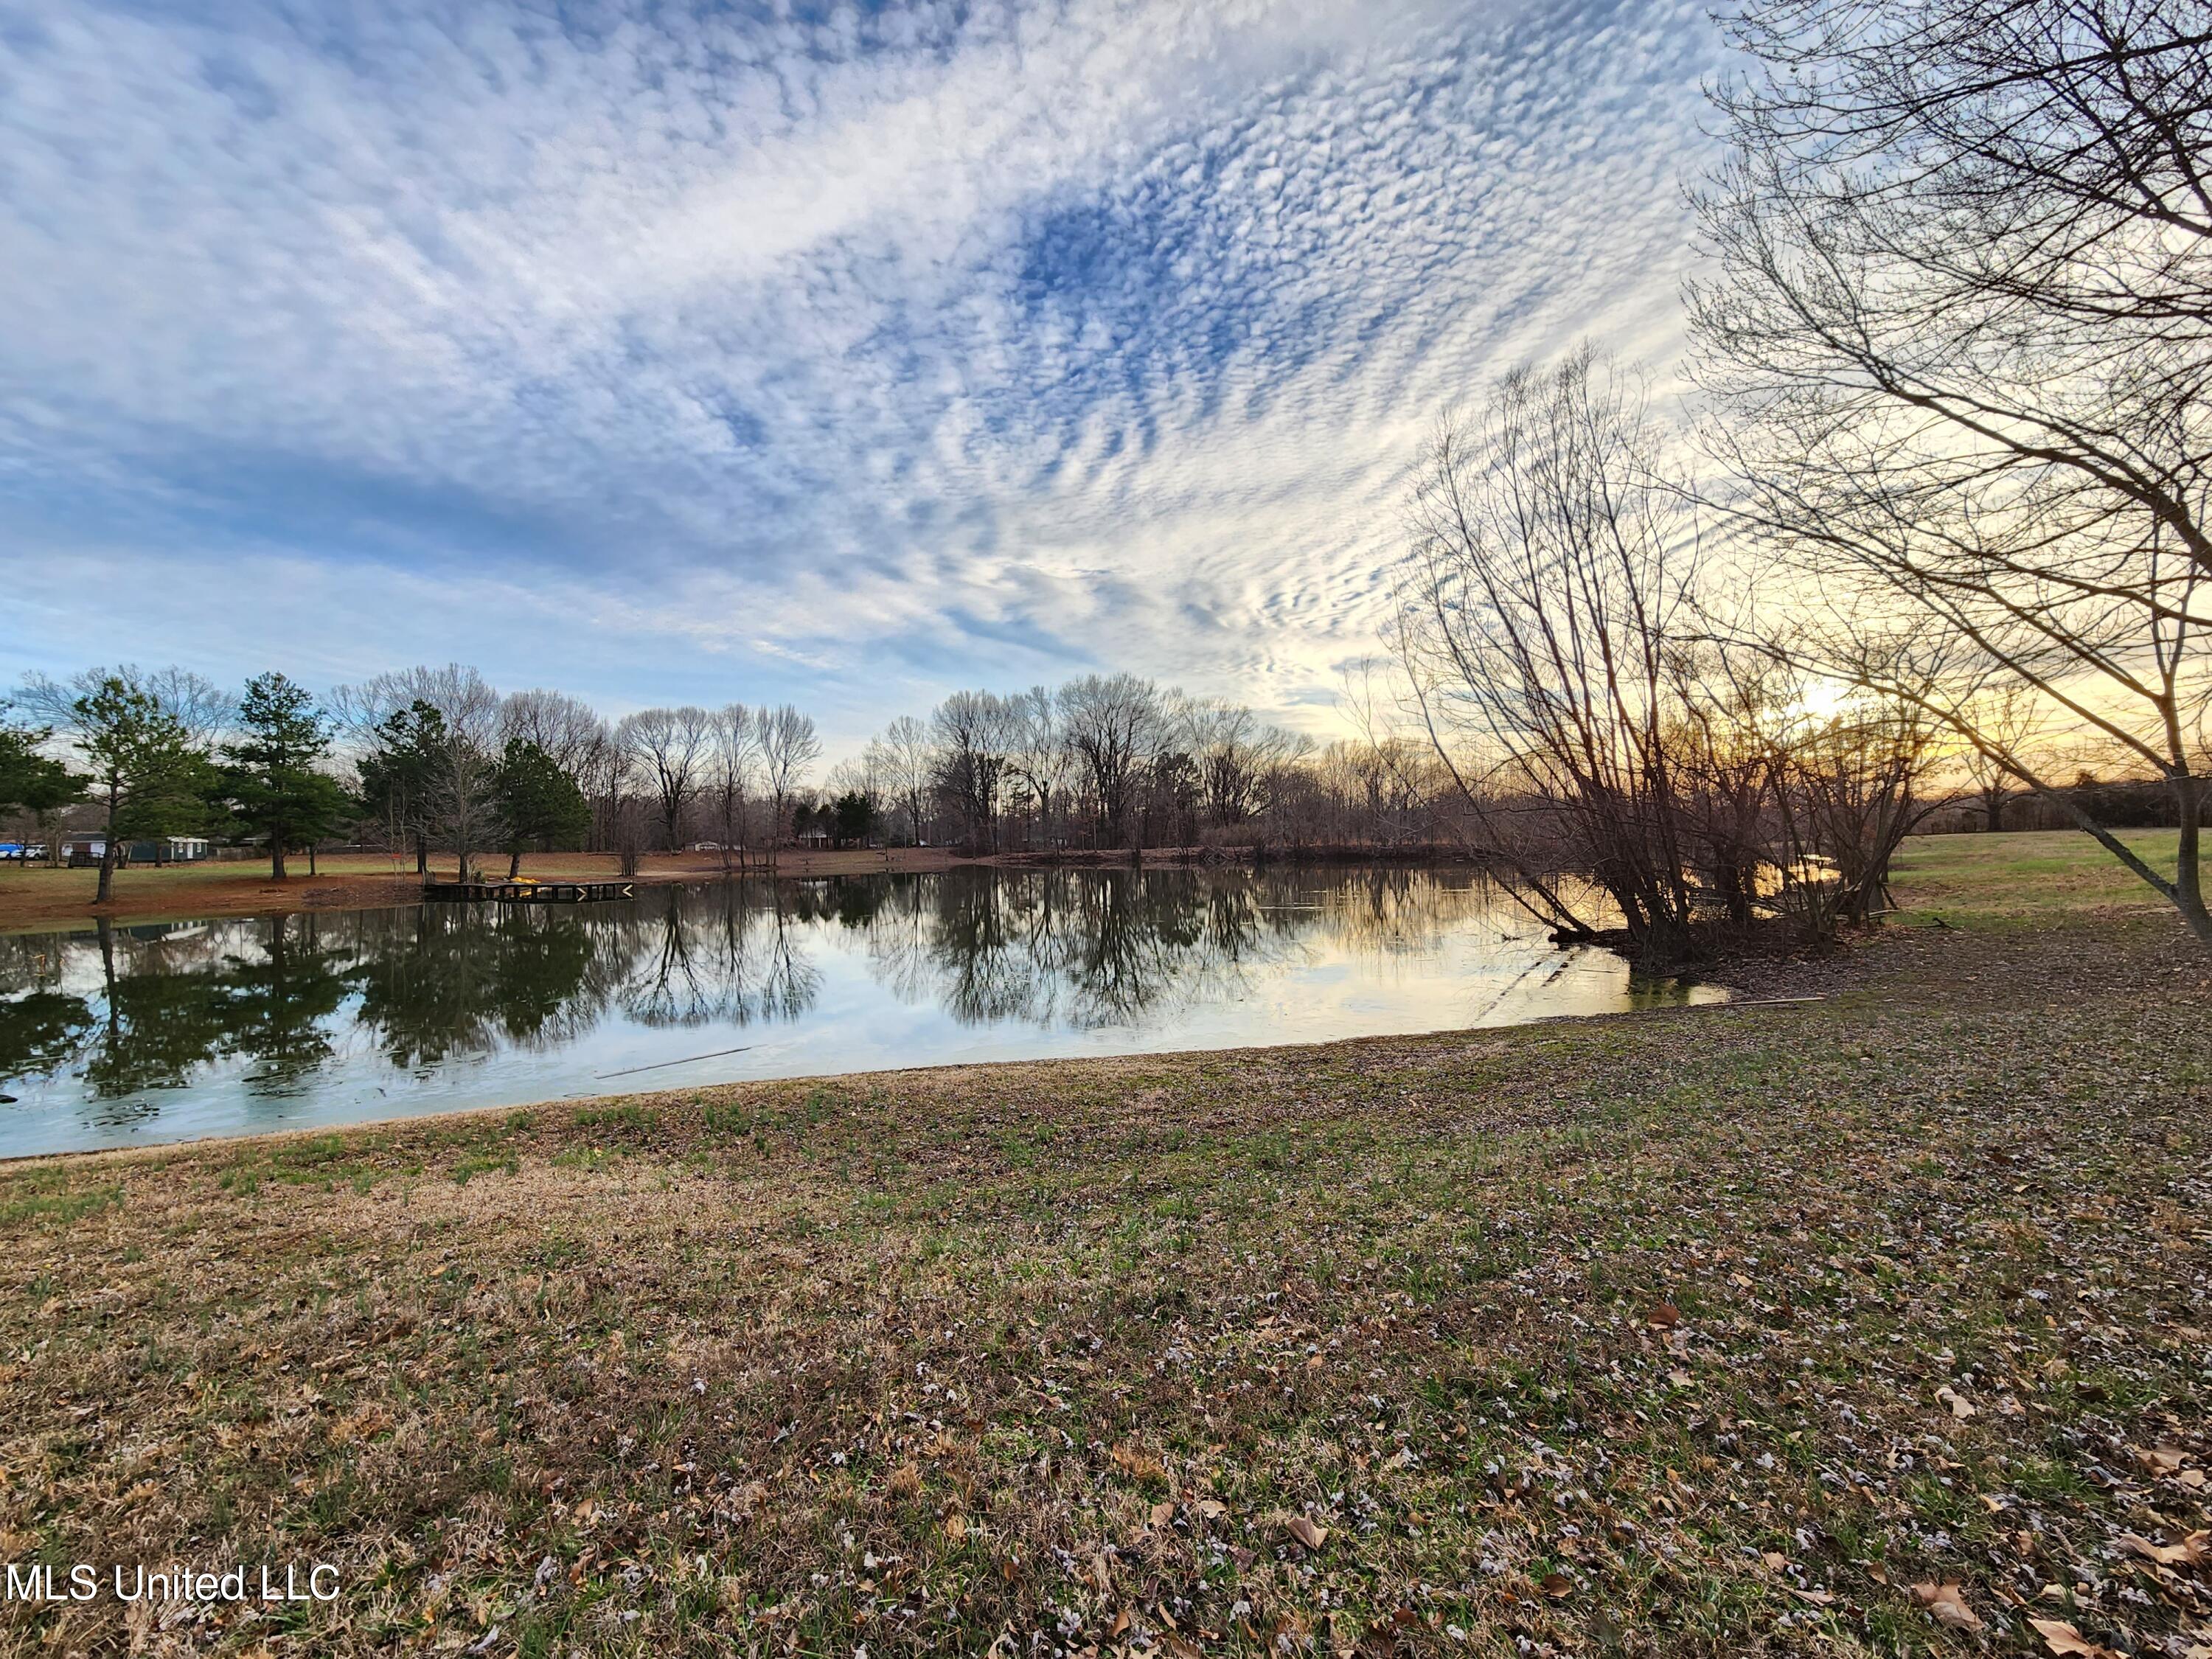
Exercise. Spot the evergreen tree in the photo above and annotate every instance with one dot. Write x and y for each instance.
(147, 772)
(29, 782)
(535, 802)
(398, 778)
(270, 781)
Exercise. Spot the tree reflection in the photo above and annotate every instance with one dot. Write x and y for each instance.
(465, 979)
(141, 1010)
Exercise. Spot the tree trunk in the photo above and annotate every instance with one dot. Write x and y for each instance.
(423, 856)
(514, 861)
(2188, 876)
(1993, 810)
(277, 857)
(110, 847)
(310, 860)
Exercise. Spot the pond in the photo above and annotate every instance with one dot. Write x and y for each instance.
(125, 1035)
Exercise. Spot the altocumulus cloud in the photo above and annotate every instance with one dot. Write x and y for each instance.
(843, 353)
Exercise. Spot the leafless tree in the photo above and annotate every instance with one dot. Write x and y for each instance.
(973, 733)
(568, 728)
(1551, 574)
(788, 747)
(2012, 715)
(669, 750)
(1958, 332)
(907, 760)
(1238, 757)
(1037, 754)
(732, 769)
(1114, 725)
(201, 707)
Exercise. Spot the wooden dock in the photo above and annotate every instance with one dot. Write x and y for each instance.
(525, 892)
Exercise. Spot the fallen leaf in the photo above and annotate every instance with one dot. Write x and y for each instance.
(1308, 1534)
(1958, 1404)
(1557, 1584)
(2062, 1638)
(905, 1481)
(1664, 1317)
(1947, 1605)
(1139, 1463)
(2188, 1551)
(955, 1527)
(1163, 1513)
(1819, 1598)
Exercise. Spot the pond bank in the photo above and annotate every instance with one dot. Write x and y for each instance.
(1696, 1331)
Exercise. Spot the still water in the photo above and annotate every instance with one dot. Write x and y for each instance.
(133, 1035)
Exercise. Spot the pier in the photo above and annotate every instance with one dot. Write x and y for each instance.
(526, 891)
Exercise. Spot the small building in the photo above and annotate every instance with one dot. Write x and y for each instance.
(80, 850)
(168, 849)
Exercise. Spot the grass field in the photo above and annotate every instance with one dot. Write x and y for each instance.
(1877, 1323)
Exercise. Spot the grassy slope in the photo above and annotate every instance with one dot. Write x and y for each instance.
(1621, 1334)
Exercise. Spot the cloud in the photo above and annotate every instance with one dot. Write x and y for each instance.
(854, 358)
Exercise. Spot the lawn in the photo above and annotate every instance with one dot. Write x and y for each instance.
(1875, 1323)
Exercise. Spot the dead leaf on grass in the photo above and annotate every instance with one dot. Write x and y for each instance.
(2187, 1553)
(1307, 1533)
(1138, 1463)
(1947, 1605)
(2063, 1639)
(1664, 1317)
(1956, 1403)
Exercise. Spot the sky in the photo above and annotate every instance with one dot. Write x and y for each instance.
(839, 355)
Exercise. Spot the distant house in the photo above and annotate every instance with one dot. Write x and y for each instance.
(80, 850)
(168, 849)
(813, 838)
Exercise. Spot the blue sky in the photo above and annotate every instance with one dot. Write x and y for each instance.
(846, 355)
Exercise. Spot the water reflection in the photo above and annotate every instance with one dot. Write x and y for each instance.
(124, 1034)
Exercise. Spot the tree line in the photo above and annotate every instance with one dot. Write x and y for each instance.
(434, 761)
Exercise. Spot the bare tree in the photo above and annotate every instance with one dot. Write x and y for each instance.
(973, 732)
(1037, 755)
(731, 772)
(788, 746)
(1114, 725)
(1237, 755)
(669, 748)
(568, 728)
(1551, 576)
(2012, 715)
(908, 762)
(1959, 334)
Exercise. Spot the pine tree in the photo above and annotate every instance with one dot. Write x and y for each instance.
(270, 781)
